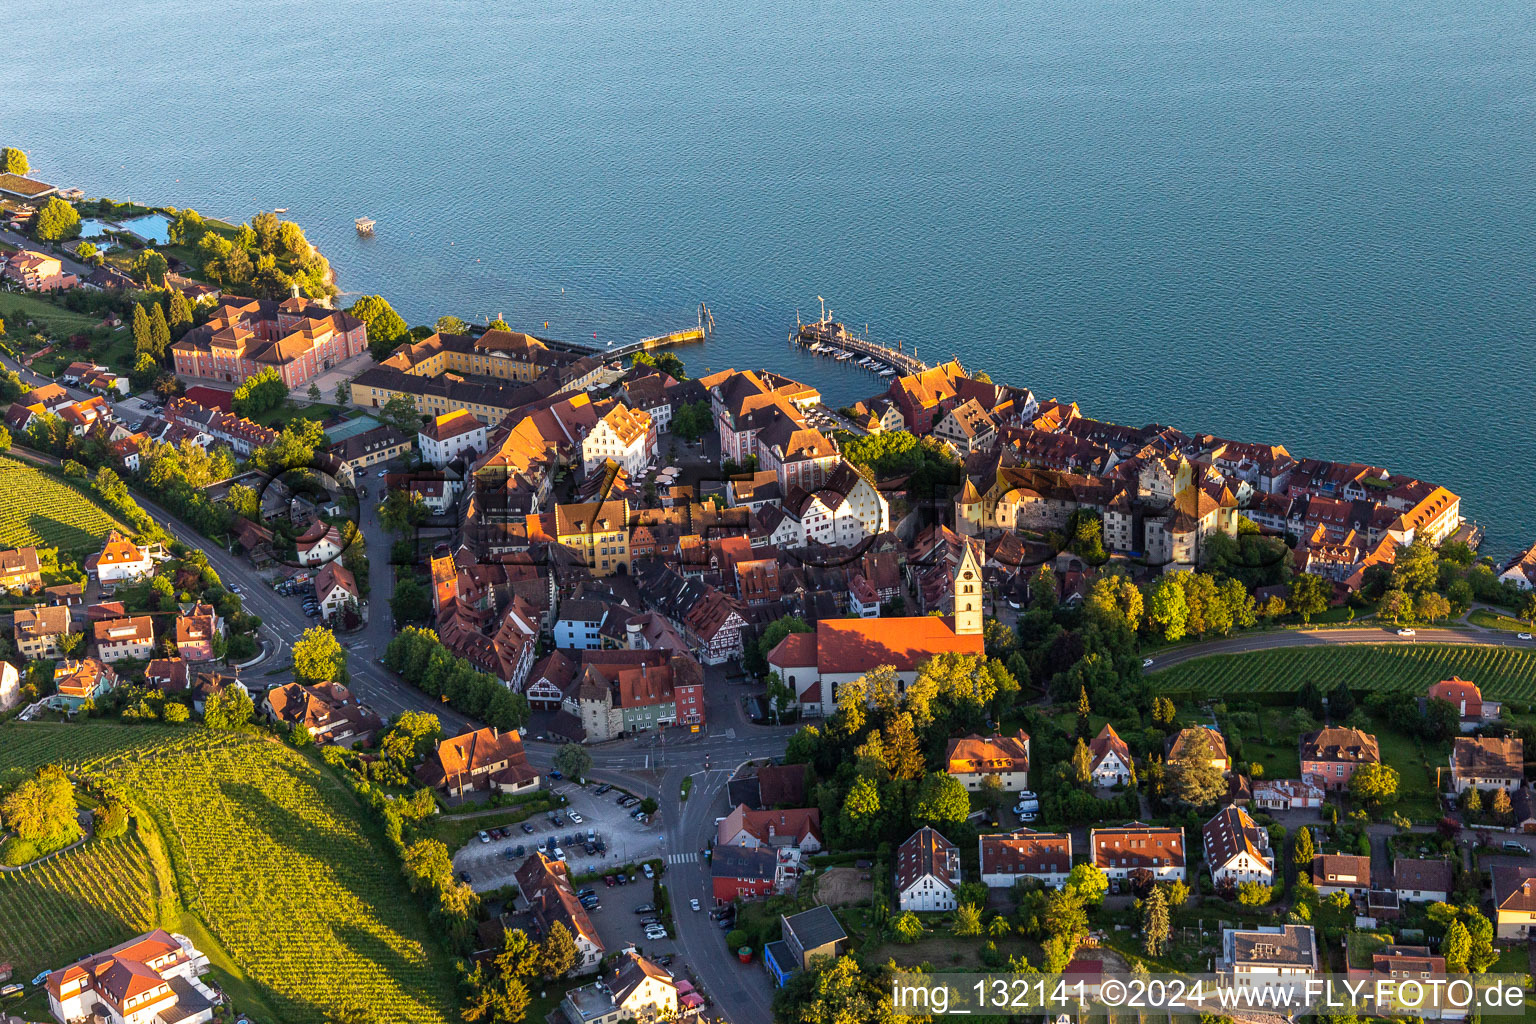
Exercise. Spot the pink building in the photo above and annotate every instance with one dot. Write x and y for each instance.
(38, 272)
(1333, 754)
(297, 338)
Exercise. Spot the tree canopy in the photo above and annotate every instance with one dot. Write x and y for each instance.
(13, 161)
(56, 221)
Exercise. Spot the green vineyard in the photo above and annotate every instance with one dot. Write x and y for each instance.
(78, 903)
(276, 856)
(1503, 673)
(41, 510)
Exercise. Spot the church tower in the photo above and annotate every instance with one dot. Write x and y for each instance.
(967, 594)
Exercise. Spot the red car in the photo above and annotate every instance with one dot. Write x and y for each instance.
(610, 881)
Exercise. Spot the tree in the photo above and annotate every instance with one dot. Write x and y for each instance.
(451, 325)
(1480, 930)
(557, 954)
(1254, 894)
(903, 755)
(1416, 567)
(519, 957)
(967, 921)
(142, 340)
(1374, 784)
(1156, 923)
(908, 928)
(1194, 779)
(573, 761)
(159, 331)
(151, 266)
(386, 328)
(1088, 882)
(229, 708)
(1308, 595)
(1084, 708)
(1082, 763)
(69, 643)
(13, 161)
(1499, 804)
(1167, 609)
(401, 413)
(859, 816)
(1304, 849)
(42, 809)
(180, 313)
(410, 602)
(1471, 800)
(692, 420)
(1431, 607)
(259, 393)
(314, 392)
(407, 741)
(319, 658)
(402, 510)
(941, 801)
(1456, 947)
(56, 221)
(498, 325)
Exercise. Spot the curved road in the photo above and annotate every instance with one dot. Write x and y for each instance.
(1268, 641)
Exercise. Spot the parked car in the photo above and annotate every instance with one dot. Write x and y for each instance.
(576, 817)
(555, 774)
(600, 790)
(484, 838)
(464, 877)
(527, 827)
(623, 878)
(664, 961)
(1510, 846)
(649, 871)
(644, 908)
(650, 922)
(591, 849)
(610, 881)
(694, 903)
(655, 933)
(559, 854)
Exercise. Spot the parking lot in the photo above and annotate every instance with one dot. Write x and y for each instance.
(618, 916)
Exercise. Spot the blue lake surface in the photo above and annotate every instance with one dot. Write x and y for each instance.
(1309, 224)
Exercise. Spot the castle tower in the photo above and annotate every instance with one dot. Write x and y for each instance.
(966, 589)
(968, 511)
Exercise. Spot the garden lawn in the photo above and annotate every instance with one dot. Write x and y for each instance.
(276, 857)
(41, 510)
(1492, 620)
(1503, 673)
(1415, 764)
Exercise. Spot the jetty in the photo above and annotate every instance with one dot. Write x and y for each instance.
(700, 332)
(364, 225)
(828, 337)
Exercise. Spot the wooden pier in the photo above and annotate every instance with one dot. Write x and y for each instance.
(830, 334)
(687, 336)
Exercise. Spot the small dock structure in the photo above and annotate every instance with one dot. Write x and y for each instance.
(687, 336)
(830, 338)
(364, 225)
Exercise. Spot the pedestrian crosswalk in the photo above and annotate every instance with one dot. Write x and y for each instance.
(682, 858)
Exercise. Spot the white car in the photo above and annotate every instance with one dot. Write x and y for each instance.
(574, 817)
(1405, 631)
(1146, 662)
(1522, 636)
(383, 473)
(694, 904)
(655, 933)
(484, 838)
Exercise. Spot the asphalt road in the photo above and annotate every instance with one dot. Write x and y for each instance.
(1322, 637)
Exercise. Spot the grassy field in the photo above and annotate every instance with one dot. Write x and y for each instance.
(79, 903)
(41, 510)
(54, 321)
(1492, 620)
(275, 856)
(1502, 673)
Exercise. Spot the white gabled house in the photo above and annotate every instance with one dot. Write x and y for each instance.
(1112, 763)
(1237, 849)
(927, 872)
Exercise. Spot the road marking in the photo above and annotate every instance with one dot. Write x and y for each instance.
(682, 858)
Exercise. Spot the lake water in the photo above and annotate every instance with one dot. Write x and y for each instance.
(1303, 223)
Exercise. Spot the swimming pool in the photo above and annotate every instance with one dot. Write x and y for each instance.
(153, 227)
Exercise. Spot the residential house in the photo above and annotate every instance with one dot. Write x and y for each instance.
(318, 544)
(119, 560)
(155, 977)
(335, 588)
(596, 534)
(360, 452)
(1137, 847)
(1521, 570)
(635, 990)
(1024, 853)
(1269, 955)
(10, 686)
(1332, 755)
(797, 828)
(1180, 742)
(845, 511)
(1112, 764)
(744, 872)
(580, 625)
(1488, 763)
(927, 871)
(195, 633)
(1422, 881)
(806, 936)
(623, 435)
(19, 569)
(1514, 900)
(1474, 712)
(545, 885)
(329, 712)
(38, 630)
(768, 785)
(968, 427)
(1287, 794)
(76, 682)
(1341, 872)
(450, 436)
(484, 759)
(975, 760)
(129, 637)
(37, 272)
(1237, 849)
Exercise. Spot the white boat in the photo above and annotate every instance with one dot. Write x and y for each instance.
(887, 373)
